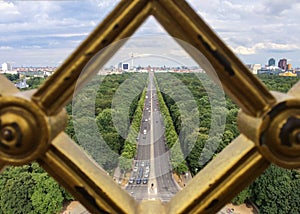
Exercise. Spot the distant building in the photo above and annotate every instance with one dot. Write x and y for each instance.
(125, 67)
(120, 66)
(289, 67)
(288, 74)
(282, 64)
(270, 70)
(22, 84)
(255, 67)
(6, 67)
(271, 62)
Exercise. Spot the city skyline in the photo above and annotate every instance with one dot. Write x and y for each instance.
(44, 33)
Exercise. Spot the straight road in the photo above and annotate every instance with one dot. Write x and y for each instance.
(151, 176)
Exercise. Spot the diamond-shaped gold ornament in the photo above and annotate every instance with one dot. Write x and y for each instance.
(234, 168)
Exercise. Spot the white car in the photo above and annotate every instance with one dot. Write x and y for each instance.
(131, 180)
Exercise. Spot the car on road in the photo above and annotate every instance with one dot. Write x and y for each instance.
(145, 180)
(140, 173)
(146, 175)
(142, 164)
(131, 180)
(135, 169)
(138, 181)
(147, 169)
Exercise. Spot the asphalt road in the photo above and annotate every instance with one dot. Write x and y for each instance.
(151, 171)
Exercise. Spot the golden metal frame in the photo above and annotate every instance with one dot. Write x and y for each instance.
(32, 123)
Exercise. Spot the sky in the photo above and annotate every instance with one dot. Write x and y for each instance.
(44, 33)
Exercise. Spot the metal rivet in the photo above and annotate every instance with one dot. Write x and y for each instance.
(7, 134)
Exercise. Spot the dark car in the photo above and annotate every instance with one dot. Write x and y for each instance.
(145, 181)
(138, 181)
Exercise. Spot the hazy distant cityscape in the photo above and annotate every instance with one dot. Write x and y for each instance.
(281, 68)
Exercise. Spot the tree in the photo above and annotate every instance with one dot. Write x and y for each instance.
(277, 191)
(47, 196)
(35, 82)
(16, 189)
(12, 77)
(243, 196)
(29, 189)
(104, 121)
(125, 162)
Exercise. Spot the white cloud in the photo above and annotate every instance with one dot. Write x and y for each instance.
(5, 48)
(255, 30)
(8, 12)
(269, 46)
(31, 47)
(8, 8)
(244, 50)
(248, 27)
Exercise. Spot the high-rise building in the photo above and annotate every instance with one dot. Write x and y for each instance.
(282, 64)
(6, 67)
(271, 62)
(125, 67)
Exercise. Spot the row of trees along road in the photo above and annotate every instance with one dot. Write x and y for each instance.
(172, 140)
(130, 147)
(190, 105)
(277, 190)
(29, 189)
(102, 114)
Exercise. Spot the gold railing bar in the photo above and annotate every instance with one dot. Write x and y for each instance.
(239, 83)
(224, 177)
(52, 97)
(99, 61)
(6, 86)
(80, 175)
(151, 207)
(166, 20)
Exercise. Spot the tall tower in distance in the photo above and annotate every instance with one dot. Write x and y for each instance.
(271, 62)
(131, 60)
(282, 64)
